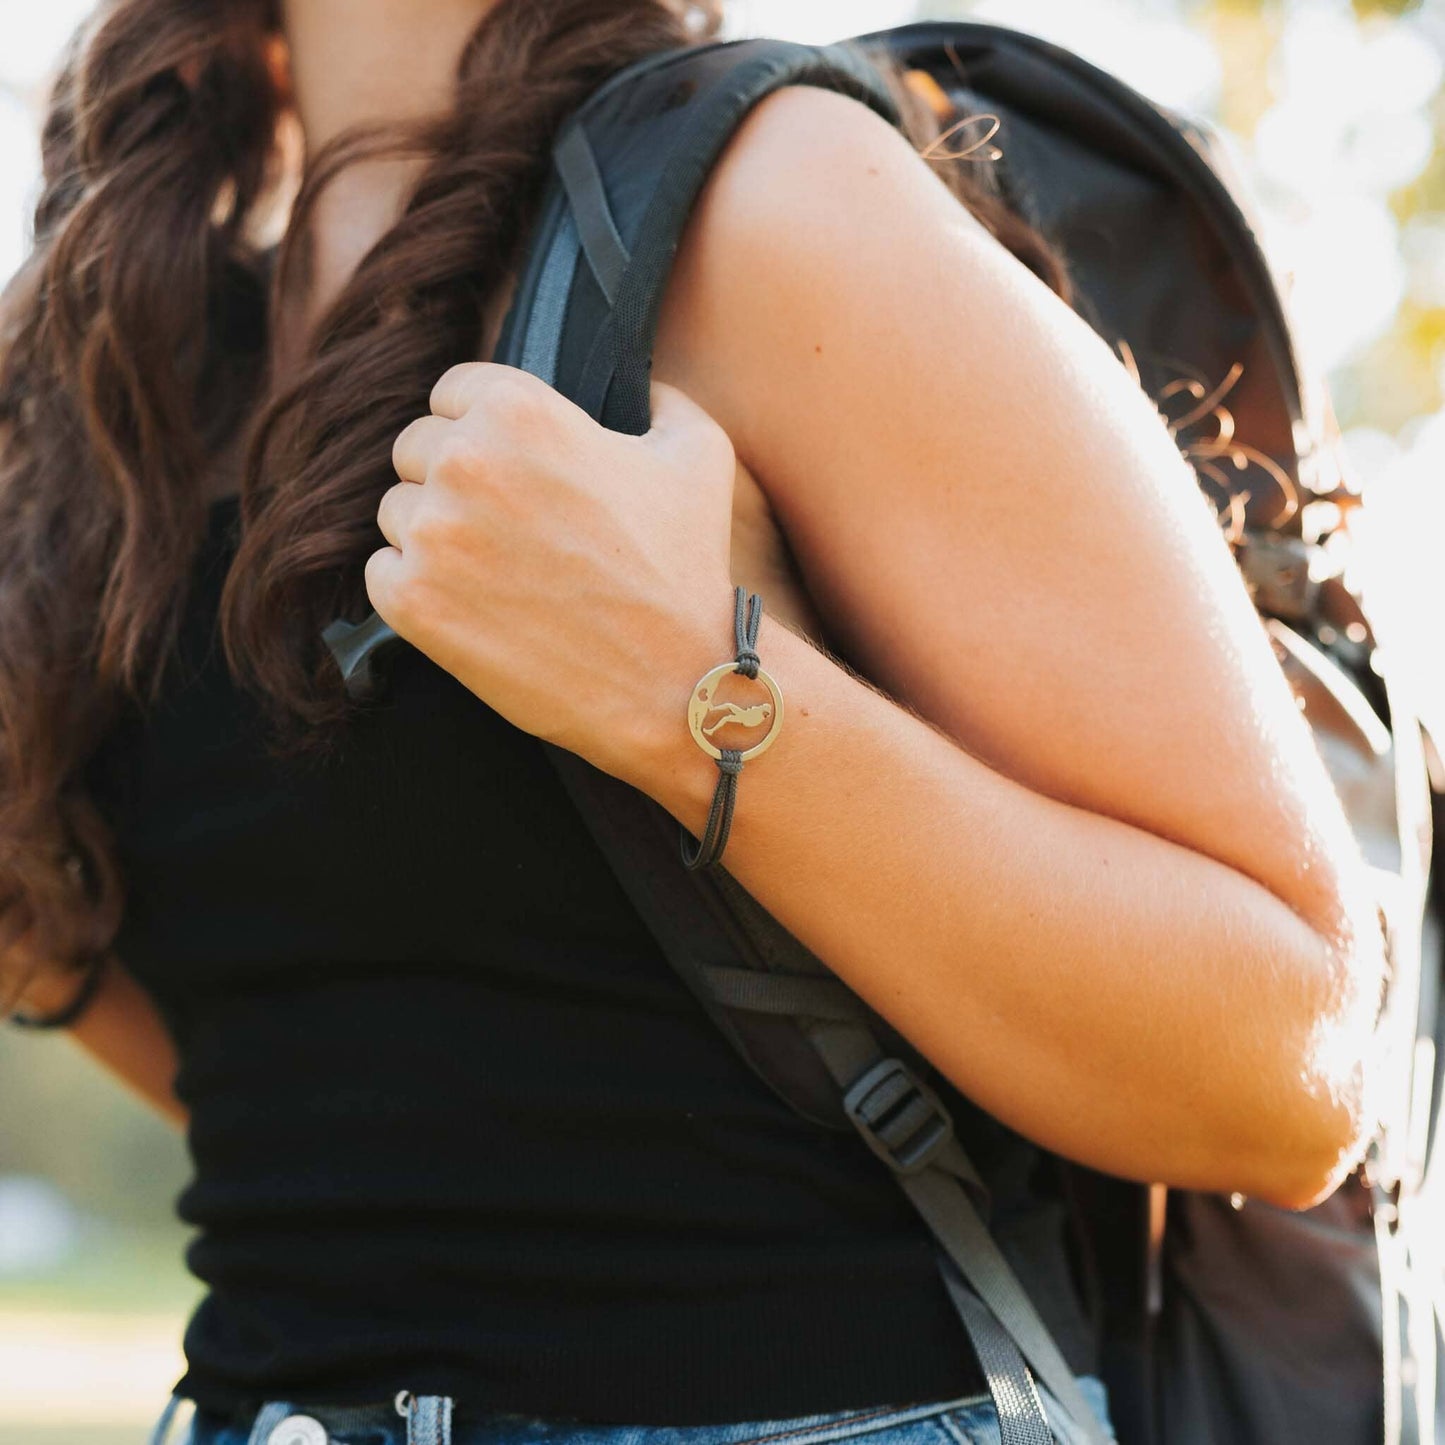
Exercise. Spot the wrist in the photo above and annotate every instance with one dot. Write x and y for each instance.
(658, 755)
(665, 758)
(58, 998)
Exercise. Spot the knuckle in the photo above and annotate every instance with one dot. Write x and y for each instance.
(516, 402)
(432, 526)
(459, 457)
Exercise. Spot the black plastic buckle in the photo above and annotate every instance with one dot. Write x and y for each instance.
(900, 1118)
(356, 647)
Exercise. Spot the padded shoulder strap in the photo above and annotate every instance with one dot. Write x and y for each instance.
(630, 165)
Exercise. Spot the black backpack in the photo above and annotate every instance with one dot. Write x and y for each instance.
(1223, 1320)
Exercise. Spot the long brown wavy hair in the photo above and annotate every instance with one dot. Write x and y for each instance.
(134, 348)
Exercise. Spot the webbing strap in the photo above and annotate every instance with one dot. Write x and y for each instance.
(549, 303)
(601, 244)
(955, 1224)
(789, 994)
(848, 1051)
(1020, 1412)
(937, 1192)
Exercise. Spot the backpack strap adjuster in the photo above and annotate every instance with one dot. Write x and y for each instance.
(900, 1118)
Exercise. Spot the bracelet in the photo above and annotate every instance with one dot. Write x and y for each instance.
(64, 1018)
(704, 704)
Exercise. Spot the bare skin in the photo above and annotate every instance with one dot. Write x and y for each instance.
(1146, 962)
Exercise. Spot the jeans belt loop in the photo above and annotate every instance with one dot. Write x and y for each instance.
(428, 1418)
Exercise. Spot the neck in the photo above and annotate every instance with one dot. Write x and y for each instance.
(366, 63)
(359, 62)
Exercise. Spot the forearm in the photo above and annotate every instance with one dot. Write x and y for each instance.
(1120, 998)
(122, 1031)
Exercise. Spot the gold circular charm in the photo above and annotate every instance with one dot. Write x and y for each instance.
(705, 715)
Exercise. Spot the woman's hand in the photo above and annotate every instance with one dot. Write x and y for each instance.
(576, 579)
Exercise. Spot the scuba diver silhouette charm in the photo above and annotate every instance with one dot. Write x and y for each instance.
(707, 713)
(748, 717)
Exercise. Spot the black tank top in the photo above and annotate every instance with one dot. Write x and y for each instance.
(456, 1127)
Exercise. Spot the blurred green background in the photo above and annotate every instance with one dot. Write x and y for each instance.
(1338, 113)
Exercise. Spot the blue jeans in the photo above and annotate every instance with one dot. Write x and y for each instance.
(970, 1421)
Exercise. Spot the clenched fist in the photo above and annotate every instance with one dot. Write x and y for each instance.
(574, 578)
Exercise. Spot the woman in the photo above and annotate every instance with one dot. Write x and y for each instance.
(458, 1135)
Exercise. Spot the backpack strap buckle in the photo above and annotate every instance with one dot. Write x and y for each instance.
(900, 1118)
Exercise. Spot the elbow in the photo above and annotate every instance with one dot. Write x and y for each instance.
(1311, 1162)
(1327, 1086)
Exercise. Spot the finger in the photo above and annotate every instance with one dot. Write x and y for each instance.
(506, 393)
(462, 386)
(394, 513)
(456, 389)
(416, 445)
(383, 578)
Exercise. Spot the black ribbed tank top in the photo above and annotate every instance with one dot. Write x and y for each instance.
(455, 1126)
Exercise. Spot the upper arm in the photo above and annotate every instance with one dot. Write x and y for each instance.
(988, 511)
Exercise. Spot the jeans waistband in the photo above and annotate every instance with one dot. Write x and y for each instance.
(428, 1420)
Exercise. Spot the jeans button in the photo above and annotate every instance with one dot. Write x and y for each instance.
(298, 1430)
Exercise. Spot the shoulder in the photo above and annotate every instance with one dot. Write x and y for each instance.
(820, 233)
(805, 145)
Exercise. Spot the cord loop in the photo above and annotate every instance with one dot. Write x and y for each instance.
(747, 618)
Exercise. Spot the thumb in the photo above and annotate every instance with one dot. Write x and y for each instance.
(681, 427)
(673, 408)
